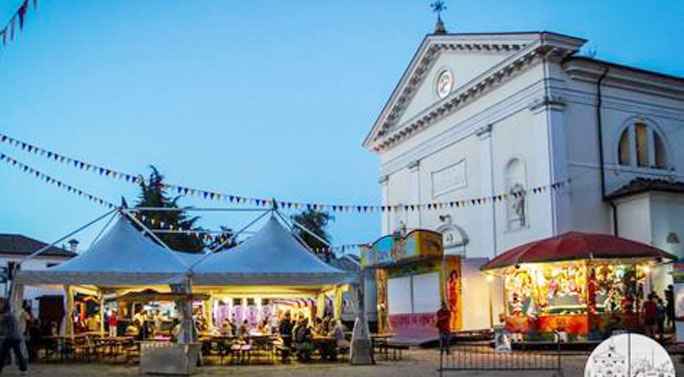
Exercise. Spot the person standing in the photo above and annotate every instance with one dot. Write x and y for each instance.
(660, 317)
(442, 323)
(286, 335)
(112, 323)
(670, 306)
(650, 311)
(12, 337)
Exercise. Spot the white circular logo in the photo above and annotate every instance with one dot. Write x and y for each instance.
(629, 355)
(445, 82)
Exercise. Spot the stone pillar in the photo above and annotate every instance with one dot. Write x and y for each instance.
(487, 211)
(549, 120)
(413, 218)
(385, 216)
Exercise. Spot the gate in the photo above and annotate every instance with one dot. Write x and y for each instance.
(483, 357)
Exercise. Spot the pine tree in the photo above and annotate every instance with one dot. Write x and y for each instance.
(316, 222)
(153, 194)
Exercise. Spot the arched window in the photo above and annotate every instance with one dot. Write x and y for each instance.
(516, 211)
(642, 146)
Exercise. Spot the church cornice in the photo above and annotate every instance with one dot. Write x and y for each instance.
(525, 48)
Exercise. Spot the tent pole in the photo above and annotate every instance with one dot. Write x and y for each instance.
(35, 253)
(100, 297)
(226, 241)
(312, 234)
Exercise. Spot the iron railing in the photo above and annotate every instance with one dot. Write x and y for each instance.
(483, 357)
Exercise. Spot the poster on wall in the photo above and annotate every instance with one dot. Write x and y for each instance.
(452, 291)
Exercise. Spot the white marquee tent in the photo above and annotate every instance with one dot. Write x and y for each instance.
(271, 257)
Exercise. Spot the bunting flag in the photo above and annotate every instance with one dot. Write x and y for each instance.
(259, 202)
(47, 179)
(9, 30)
(344, 248)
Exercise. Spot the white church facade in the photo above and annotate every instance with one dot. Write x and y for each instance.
(479, 115)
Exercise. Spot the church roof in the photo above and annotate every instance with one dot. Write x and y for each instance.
(642, 185)
(519, 48)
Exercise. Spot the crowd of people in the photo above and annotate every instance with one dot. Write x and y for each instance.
(295, 334)
(657, 313)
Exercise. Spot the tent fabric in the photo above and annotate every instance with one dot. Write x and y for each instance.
(575, 246)
(272, 256)
(122, 256)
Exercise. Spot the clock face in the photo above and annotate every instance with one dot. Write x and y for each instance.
(445, 81)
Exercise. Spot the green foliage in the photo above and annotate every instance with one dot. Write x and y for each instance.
(153, 194)
(316, 222)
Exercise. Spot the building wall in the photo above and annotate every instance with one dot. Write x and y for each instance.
(546, 120)
(31, 293)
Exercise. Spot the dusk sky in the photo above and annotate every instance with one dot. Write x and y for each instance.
(255, 98)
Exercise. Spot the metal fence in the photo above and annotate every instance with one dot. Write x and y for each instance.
(482, 356)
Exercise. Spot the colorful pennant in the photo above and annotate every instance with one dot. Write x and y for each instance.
(259, 202)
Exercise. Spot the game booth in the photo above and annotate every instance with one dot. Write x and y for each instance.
(413, 278)
(581, 285)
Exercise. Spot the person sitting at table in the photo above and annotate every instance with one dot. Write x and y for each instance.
(303, 341)
(318, 326)
(285, 331)
(338, 335)
(274, 322)
(243, 330)
(264, 328)
(175, 330)
(226, 328)
(326, 325)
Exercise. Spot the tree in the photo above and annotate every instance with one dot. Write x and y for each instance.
(316, 222)
(153, 194)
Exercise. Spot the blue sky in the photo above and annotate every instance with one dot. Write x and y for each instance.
(256, 98)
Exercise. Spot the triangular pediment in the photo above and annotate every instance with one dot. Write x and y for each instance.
(469, 59)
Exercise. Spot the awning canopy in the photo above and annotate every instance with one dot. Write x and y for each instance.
(123, 256)
(576, 246)
(271, 257)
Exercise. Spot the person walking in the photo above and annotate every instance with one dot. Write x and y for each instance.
(649, 311)
(12, 337)
(442, 323)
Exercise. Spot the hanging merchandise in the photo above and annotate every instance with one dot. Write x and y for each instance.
(259, 202)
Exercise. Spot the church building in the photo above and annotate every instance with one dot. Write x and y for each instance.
(482, 115)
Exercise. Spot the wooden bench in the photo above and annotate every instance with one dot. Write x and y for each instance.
(396, 349)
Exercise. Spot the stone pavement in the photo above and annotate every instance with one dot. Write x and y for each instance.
(419, 362)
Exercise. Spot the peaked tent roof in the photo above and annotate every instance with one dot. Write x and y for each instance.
(121, 257)
(271, 257)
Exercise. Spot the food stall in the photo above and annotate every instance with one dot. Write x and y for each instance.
(580, 284)
(413, 278)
